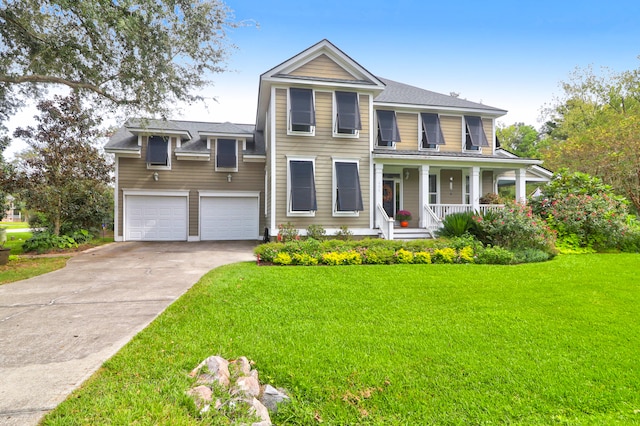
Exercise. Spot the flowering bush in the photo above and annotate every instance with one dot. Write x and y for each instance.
(444, 255)
(287, 232)
(515, 227)
(304, 259)
(422, 257)
(345, 258)
(596, 220)
(282, 258)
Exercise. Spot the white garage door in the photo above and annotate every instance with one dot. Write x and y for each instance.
(155, 218)
(229, 218)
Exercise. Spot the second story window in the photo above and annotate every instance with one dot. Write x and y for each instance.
(226, 155)
(302, 116)
(158, 152)
(347, 114)
(431, 131)
(475, 136)
(388, 132)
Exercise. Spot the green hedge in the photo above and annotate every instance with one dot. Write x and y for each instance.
(370, 251)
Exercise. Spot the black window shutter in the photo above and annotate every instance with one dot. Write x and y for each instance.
(349, 197)
(226, 153)
(348, 111)
(157, 150)
(387, 127)
(301, 102)
(476, 131)
(303, 188)
(432, 132)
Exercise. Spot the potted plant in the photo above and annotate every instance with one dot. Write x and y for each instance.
(4, 252)
(403, 216)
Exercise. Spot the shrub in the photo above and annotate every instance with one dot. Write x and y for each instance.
(282, 258)
(304, 259)
(530, 256)
(495, 256)
(268, 251)
(81, 236)
(584, 212)
(379, 256)
(43, 241)
(404, 256)
(456, 224)
(444, 255)
(287, 232)
(422, 257)
(465, 255)
(344, 233)
(342, 258)
(317, 232)
(515, 227)
(630, 239)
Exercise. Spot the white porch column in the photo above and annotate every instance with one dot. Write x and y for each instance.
(474, 192)
(423, 189)
(521, 186)
(377, 199)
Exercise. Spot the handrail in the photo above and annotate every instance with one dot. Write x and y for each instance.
(385, 224)
(433, 222)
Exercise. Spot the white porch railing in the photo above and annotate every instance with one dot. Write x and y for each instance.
(443, 210)
(432, 222)
(385, 224)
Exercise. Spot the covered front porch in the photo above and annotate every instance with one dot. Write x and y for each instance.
(430, 192)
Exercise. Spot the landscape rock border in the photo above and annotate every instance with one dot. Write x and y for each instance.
(239, 383)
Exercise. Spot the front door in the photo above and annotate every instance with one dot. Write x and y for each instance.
(389, 197)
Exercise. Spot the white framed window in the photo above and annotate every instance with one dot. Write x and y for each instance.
(226, 155)
(301, 115)
(158, 153)
(475, 137)
(301, 187)
(431, 136)
(346, 116)
(388, 133)
(433, 189)
(347, 194)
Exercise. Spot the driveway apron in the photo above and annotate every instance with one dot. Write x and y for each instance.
(57, 329)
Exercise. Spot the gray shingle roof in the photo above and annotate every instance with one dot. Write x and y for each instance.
(400, 93)
(124, 139)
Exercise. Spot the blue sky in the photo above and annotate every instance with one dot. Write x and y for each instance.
(507, 54)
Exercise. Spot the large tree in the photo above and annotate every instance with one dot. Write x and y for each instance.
(595, 129)
(144, 54)
(63, 175)
(521, 139)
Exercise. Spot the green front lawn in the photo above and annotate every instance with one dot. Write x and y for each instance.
(15, 225)
(15, 240)
(23, 268)
(547, 343)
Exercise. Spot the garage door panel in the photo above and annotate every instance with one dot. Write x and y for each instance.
(155, 218)
(229, 218)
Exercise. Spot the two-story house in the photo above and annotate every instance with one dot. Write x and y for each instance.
(333, 145)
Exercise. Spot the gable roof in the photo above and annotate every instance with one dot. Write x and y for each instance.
(400, 93)
(284, 72)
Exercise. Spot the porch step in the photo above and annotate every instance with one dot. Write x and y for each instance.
(411, 234)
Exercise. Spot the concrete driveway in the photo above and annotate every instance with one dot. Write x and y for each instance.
(57, 329)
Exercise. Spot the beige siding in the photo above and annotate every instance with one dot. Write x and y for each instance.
(410, 196)
(408, 127)
(452, 132)
(323, 147)
(322, 67)
(487, 182)
(188, 175)
(487, 124)
(453, 196)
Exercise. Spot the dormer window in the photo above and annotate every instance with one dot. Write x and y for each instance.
(432, 135)
(158, 152)
(475, 136)
(388, 133)
(302, 116)
(347, 118)
(226, 155)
